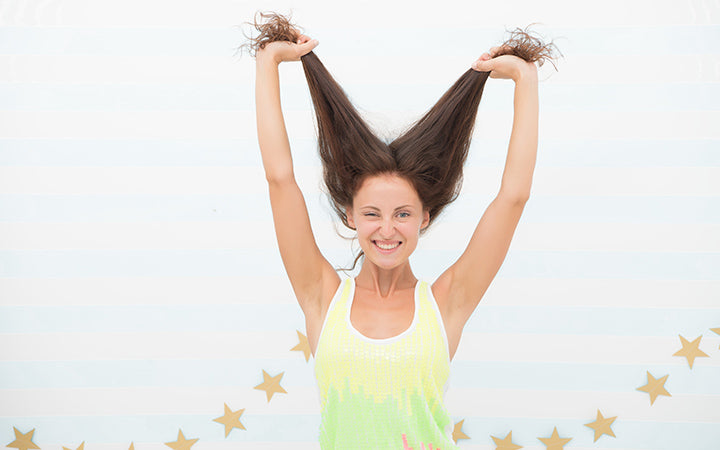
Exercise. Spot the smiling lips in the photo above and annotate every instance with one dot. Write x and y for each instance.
(387, 245)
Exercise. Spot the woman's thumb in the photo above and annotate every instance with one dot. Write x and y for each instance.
(309, 45)
(482, 66)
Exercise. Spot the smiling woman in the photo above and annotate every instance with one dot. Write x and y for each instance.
(382, 381)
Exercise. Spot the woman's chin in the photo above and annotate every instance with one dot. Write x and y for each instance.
(386, 261)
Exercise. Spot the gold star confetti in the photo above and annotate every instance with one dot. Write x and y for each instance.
(271, 385)
(654, 387)
(231, 419)
(505, 444)
(690, 350)
(303, 346)
(458, 433)
(716, 331)
(82, 447)
(602, 426)
(23, 441)
(181, 443)
(555, 442)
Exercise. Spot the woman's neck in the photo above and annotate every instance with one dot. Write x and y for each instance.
(384, 282)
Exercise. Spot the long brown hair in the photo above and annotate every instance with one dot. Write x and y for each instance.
(430, 154)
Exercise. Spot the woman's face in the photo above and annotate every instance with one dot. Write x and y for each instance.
(388, 215)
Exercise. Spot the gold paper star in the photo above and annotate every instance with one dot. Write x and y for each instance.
(690, 350)
(654, 387)
(132, 446)
(303, 346)
(181, 443)
(23, 441)
(602, 426)
(505, 444)
(231, 419)
(555, 442)
(82, 447)
(717, 331)
(271, 385)
(458, 433)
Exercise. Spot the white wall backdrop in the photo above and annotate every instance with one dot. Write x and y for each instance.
(141, 286)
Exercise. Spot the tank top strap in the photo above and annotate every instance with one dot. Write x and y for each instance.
(428, 301)
(342, 298)
(336, 309)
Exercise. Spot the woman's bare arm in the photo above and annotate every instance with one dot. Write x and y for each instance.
(306, 267)
(466, 281)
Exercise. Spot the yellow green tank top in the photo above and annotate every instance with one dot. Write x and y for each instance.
(383, 393)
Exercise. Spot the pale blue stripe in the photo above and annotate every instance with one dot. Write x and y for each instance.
(621, 321)
(600, 209)
(119, 41)
(104, 208)
(653, 40)
(140, 263)
(232, 262)
(248, 317)
(71, 430)
(108, 208)
(654, 435)
(546, 376)
(623, 153)
(152, 152)
(175, 318)
(285, 428)
(555, 376)
(588, 265)
(656, 97)
(231, 372)
(245, 152)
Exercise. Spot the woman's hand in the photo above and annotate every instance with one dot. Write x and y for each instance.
(503, 66)
(280, 51)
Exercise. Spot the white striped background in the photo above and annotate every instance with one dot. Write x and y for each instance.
(140, 283)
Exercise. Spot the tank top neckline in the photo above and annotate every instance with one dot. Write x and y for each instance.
(351, 299)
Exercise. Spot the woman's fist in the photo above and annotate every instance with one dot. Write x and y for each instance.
(280, 51)
(503, 66)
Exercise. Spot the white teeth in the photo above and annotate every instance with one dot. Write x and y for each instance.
(386, 247)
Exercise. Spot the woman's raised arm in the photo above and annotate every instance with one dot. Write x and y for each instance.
(272, 136)
(466, 281)
(307, 269)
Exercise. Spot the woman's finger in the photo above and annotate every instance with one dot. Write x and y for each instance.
(306, 47)
(482, 65)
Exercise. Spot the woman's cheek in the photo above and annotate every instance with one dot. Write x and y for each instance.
(364, 230)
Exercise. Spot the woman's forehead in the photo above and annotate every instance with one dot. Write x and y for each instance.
(386, 181)
(386, 190)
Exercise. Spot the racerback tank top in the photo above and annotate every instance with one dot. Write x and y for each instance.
(383, 393)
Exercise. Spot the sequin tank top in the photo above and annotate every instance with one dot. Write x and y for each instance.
(383, 393)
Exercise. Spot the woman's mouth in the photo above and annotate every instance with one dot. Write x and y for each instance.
(386, 247)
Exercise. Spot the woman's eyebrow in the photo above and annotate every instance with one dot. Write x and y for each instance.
(378, 209)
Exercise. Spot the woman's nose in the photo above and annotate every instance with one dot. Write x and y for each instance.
(386, 230)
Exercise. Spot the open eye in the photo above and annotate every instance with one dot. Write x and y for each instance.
(405, 214)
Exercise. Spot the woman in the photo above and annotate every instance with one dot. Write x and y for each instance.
(383, 341)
